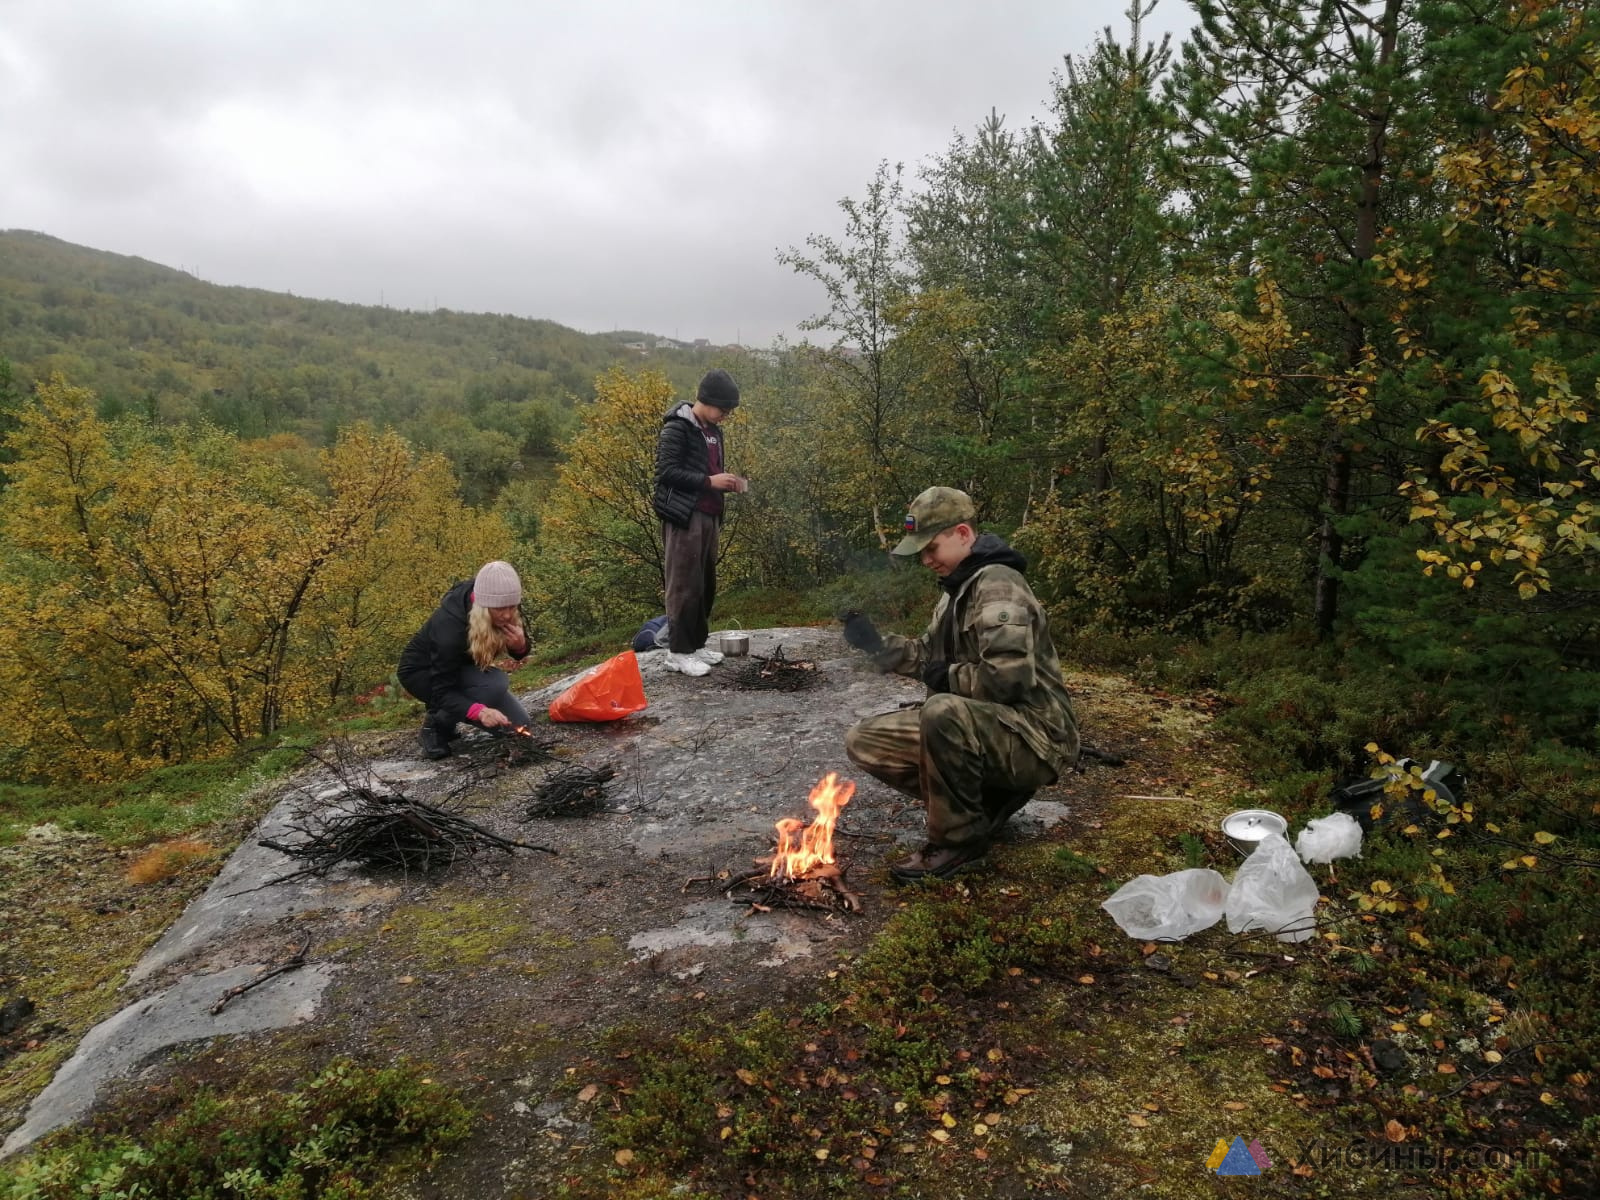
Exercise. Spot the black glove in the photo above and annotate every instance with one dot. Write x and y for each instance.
(861, 633)
(936, 675)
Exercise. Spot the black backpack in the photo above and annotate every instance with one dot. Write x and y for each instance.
(1357, 796)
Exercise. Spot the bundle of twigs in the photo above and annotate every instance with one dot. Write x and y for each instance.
(776, 673)
(575, 791)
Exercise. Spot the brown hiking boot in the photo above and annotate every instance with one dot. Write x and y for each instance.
(938, 862)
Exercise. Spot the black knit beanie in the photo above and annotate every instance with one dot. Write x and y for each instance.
(718, 390)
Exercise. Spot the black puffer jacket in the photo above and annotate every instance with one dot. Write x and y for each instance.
(682, 465)
(431, 664)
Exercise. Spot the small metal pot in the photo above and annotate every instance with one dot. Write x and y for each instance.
(734, 645)
(1246, 828)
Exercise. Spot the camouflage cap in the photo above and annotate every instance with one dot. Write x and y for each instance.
(930, 514)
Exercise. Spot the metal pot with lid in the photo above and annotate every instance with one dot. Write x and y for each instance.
(1246, 828)
(734, 642)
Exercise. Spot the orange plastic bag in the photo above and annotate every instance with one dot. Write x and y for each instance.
(606, 692)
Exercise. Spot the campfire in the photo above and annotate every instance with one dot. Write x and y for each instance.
(802, 872)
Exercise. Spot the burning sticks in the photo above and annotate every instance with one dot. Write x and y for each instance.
(802, 872)
(822, 887)
(575, 791)
(513, 746)
(774, 674)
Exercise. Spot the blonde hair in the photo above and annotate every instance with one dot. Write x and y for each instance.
(484, 642)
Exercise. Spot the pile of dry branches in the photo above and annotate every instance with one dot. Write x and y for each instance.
(574, 791)
(371, 824)
(776, 673)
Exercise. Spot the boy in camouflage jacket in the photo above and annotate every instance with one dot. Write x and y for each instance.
(997, 723)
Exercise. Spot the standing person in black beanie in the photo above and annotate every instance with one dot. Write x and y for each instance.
(691, 481)
(449, 663)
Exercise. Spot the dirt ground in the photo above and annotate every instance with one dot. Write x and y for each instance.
(504, 975)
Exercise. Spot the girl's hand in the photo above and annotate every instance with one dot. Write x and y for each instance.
(492, 718)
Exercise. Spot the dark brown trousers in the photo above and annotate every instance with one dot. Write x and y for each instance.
(691, 569)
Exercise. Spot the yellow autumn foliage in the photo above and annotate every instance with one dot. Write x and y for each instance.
(163, 597)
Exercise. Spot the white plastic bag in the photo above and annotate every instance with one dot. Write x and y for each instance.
(1272, 891)
(1168, 907)
(1327, 838)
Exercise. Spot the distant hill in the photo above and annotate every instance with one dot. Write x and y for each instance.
(154, 340)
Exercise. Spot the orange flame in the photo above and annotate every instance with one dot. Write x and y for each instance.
(800, 846)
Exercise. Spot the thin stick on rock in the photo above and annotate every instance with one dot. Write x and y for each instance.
(293, 962)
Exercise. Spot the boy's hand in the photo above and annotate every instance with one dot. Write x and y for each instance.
(860, 632)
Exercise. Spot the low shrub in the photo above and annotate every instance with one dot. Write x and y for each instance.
(337, 1138)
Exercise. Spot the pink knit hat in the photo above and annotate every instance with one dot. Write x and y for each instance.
(496, 586)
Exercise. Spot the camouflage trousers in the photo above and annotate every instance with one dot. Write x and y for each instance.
(956, 756)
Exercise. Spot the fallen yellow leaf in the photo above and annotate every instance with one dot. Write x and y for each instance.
(623, 1157)
(1137, 1121)
(588, 1094)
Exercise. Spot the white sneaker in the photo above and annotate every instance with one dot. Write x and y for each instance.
(709, 656)
(688, 664)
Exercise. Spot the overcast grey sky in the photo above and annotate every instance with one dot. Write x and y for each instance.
(601, 164)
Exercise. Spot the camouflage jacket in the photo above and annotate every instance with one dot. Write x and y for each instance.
(992, 631)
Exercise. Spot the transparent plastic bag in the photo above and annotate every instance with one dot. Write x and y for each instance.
(1324, 839)
(1273, 892)
(1168, 907)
